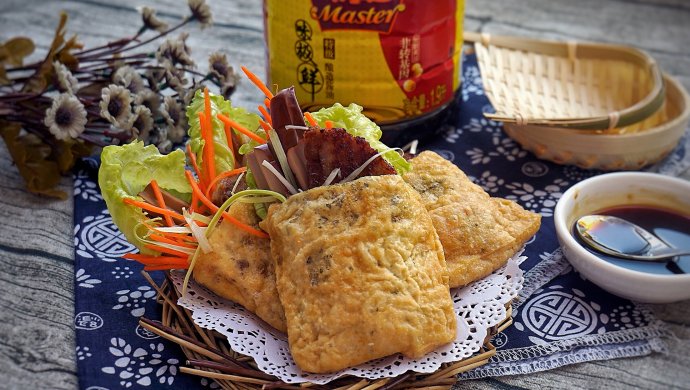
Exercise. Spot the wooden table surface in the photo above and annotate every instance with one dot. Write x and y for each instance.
(37, 344)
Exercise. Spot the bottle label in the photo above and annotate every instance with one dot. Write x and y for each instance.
(399, 59)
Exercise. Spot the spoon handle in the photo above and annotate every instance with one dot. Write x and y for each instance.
(667, 252)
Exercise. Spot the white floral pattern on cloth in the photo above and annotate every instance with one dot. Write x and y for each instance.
(84, 186)
(86, 189)
(561, 319)
(539, 200)
(471, 82)
(97, 237)
(141, 366)
(84, 280)
(478, 307)
(134, 300)
(83, 352)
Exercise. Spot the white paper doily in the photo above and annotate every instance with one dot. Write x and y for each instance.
(478, 307)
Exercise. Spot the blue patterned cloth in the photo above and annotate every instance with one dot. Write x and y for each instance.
(559, 318)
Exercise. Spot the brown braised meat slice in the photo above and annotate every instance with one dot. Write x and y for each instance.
(327, 149)
(223, 190)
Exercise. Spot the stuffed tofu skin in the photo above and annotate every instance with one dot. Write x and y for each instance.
(360, 273)
(479, 233)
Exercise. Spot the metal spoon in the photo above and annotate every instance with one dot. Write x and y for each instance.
(620, 238)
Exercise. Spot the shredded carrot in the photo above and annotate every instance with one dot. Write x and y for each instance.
(266, 115)
(168, 251)
(329, 124)
(208, 153)
(241, 128)
(152, 208)
(223, 175)
(257, 81)
(228, 135)
(167, 240)
(180, 237)
(226, 215)
(310, 119)
(161, 202)
(192, 159)
(265, 125)
(207, 103)
(267, 103)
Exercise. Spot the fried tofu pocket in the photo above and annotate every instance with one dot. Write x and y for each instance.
(360, 273)
(479, 233)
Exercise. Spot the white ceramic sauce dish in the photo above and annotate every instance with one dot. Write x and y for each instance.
(620, 189)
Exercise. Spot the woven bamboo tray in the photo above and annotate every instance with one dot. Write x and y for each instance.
(623, 148)
(208, 354)
(567, 84)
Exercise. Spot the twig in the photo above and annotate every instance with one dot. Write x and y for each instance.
(230, 370)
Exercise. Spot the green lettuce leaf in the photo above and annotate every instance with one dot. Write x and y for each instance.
(251, 144)
(223, 155)
(351, 119)
(126, 170)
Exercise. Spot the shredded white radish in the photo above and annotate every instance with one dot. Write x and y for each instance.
(282, 158)
(201, 218)
(176, 229)
(279, 176)
(359, 170)
(289, 127)
(178, 248)
(332, 176)
(197, 232)
(411, 147)
(234, 188)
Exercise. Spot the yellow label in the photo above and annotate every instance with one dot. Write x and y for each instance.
(397, 58)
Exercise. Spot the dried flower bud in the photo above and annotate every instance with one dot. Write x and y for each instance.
(157, 135)
(201, 12)
(66, 117)
(186, 95)
(218, 65)
(115, 105)
(128, 78)
(175, 51)
(150, 100)
(165, 146)
(175, 119)
(154, 76)
(65, 80)
(148, 16)
(141, 123)
(227, 89)
(174, 77)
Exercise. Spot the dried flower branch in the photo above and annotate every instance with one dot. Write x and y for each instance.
(74, 100)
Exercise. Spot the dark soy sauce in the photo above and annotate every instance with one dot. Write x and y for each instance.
(669, 225)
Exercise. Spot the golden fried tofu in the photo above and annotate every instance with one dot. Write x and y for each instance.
(240, 268)
(479, 233)
(360, 273)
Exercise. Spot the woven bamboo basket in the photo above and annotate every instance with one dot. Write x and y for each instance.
(209, 355)
(623, 148)
(567, 84)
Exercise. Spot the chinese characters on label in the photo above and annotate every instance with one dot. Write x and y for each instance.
(309, 76)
